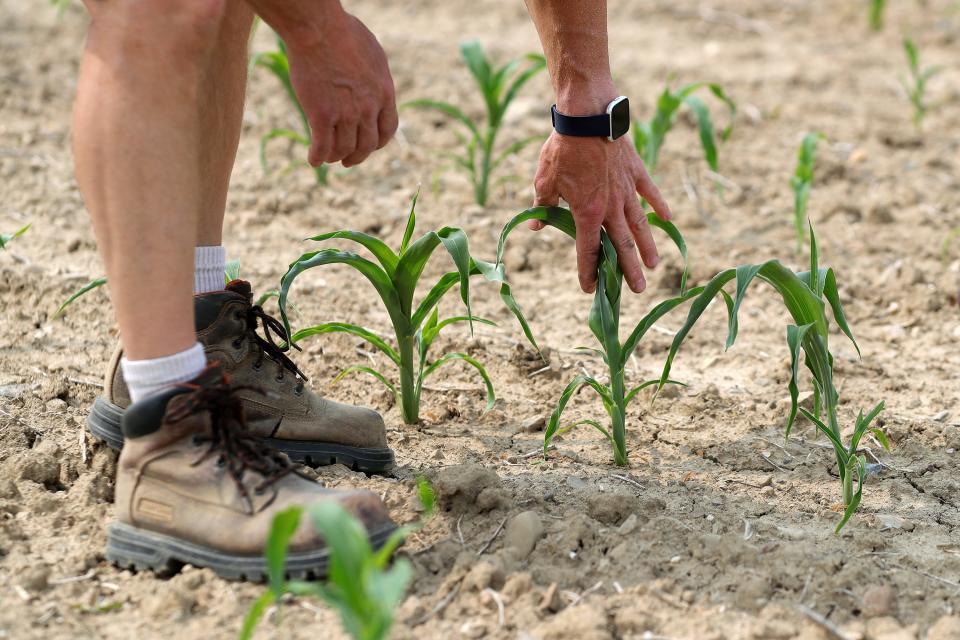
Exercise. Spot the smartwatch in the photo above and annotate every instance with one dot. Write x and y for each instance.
(610, 125)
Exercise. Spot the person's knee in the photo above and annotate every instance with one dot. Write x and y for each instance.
(177, 28)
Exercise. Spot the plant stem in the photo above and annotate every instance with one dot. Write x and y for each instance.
(409, 390)
(618, 418)
(483, 185)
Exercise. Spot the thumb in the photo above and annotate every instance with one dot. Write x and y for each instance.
(546, 195)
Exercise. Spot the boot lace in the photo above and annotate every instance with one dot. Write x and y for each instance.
(237, 450)
(266, 345)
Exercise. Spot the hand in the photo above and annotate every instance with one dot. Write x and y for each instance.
(600, 180)
(343, 81)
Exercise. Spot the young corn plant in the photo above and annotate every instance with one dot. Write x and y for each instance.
(877, 8)
(604, 322)
(805, 295)
(416, 326)
(916, 85)
(801, 183)
(276, 63)
(360, 585)
(6, 238)
(498, 86)
(648, 137)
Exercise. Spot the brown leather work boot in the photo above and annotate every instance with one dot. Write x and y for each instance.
(289, 417)
(194, 486)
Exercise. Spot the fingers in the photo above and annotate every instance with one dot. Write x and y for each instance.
(650, 193)
(640, 228)
(367, 140)
(588, 251)
(344, 141)
(627, 256)
(321, 144)
(546, 195)
(387, 123)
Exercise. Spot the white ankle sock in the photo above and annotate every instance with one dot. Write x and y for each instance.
(146, 377)
(208, 266)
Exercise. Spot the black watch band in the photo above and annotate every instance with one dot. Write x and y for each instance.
(585, 126)
(611, 125)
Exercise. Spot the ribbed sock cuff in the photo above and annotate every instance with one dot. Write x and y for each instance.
(209, 264)
(146, 377)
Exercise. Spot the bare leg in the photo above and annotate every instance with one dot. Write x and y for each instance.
(221, 116)
(137, 135)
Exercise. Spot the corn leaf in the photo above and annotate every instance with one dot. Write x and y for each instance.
(795, 337)
(90, 286)
(446, 109)
(411, 223)
(380, 281)
(384, 254)
(554, 423)
(352, 329)
(705, 127)
(282, 528)
(5, 238)
(376, 374)
(450, 357)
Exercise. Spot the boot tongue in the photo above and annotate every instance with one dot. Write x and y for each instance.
(241, 287)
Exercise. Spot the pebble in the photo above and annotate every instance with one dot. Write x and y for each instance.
(533, 424)
(575, 483)
(879, 600)
(56, 405)
(522, 533)
(35, 578)
(629, 525)
(890, 521)
(767, 491)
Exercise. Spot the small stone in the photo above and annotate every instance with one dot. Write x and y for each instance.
(940, 416)
(35, 578)
(437, 455)
(629, 525)
(767, 491)
(880, 214)
(946, 628)
(35, 466)
(482, 575)
(56, 405)
(533, 424)
(890, 521)
(8, 489)
(575, 483)
(879, 600)
(523, 532)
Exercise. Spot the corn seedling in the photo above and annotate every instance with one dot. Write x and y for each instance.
(276, 62)
(648, 137)
(6, 238)
(498, 86)
(916, 85)
(359, 586)
(877, 8)
(604, 322)
(415, 327)
(801, 183)
(805, 295)
(231, 272)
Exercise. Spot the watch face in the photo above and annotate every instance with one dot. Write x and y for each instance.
(619, 118)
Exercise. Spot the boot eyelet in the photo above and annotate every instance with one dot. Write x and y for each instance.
(238, 315)
(237, 344)
(257, 366)
(279, 378)
(298, 392)
(259, 491)
(221, 463)
(196, 440)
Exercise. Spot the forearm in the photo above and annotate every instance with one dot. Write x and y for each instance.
(574, 38)
(298, 22)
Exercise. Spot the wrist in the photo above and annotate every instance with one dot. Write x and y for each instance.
(585, 99)
(310, 28)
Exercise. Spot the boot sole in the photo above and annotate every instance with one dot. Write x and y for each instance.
(105, 417)
(130, 547)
